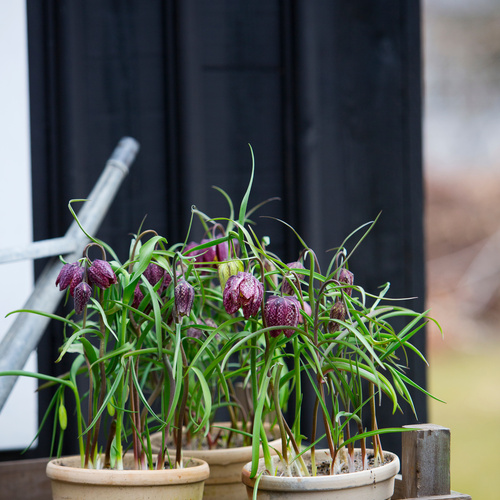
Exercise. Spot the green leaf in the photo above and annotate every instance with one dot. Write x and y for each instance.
(244, 201)
(207, 397)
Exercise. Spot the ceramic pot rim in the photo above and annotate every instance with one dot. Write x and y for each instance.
(67, 469)
(337, 481)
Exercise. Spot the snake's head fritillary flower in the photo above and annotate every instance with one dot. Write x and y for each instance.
(209, 254)
(154, 273)
(221, 250)
(82, 294)
(71, 275)
(346, 278)
(101, 275)
(184, 297)
(286, 287)
(282, 311)
(138, 297)
(245, 291)
(204, 257)
(337, 312)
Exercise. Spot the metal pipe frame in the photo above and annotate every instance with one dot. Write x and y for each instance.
(26, 331)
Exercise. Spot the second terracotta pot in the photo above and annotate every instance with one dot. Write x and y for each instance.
(224, 482)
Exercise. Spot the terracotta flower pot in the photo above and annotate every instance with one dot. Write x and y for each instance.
(70, 481)
(225, 464)
(373, 484)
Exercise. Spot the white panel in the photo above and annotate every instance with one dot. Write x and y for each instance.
(18, 419)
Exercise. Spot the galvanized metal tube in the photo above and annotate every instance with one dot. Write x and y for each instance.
(38, 250)
(25, 333)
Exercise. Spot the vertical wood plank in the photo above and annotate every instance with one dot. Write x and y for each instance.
(425, 464)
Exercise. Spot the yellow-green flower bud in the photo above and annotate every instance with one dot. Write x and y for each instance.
(229, 268)
(111, 407)
(63, 417)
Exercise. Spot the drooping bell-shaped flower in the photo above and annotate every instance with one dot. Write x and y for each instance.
(155, 273)
(199, 333)
(209, 254)
(101, 275)
(221, 250)
(192, 253)
(245, 291)
(282, 311)
(82, 294)
(337, 312)
(70, 275)
(201, 255)
(286, 287)
(184, 297)
(194, 333)
(138, 297)
(346, 278)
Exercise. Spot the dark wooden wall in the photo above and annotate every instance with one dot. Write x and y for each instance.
(328, 93)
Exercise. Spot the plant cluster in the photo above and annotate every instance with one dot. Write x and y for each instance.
(179, 332)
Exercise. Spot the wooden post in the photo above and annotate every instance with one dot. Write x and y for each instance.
(425, 465)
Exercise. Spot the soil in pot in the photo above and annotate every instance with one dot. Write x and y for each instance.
(376, 483)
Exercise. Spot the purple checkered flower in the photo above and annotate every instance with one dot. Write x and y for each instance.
(245, 291)
(70, 275)
(83, 292)
(221, 250)
(101, 275)
(337, 312)
(282, 311)
(286, 287)
(154, 273)
(184, 297)
(346, 278)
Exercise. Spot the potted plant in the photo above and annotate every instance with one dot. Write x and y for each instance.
(179, 332)
(124, 331)
(145, 335)
(210, 330)
(325, 329)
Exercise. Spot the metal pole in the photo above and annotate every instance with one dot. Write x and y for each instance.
(25, 333)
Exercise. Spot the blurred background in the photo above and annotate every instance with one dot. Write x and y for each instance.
(462, 159)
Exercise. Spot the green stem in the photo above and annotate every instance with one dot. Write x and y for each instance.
(279, 415)
(102, 369)
(331, 445)
(121, 392)
(377, 445)
(182, 408)
(253, 374)
(298, 392)
(79, 425)
(313, 435)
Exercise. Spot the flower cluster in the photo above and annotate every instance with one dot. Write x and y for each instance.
(79, 279)
(177, 332)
